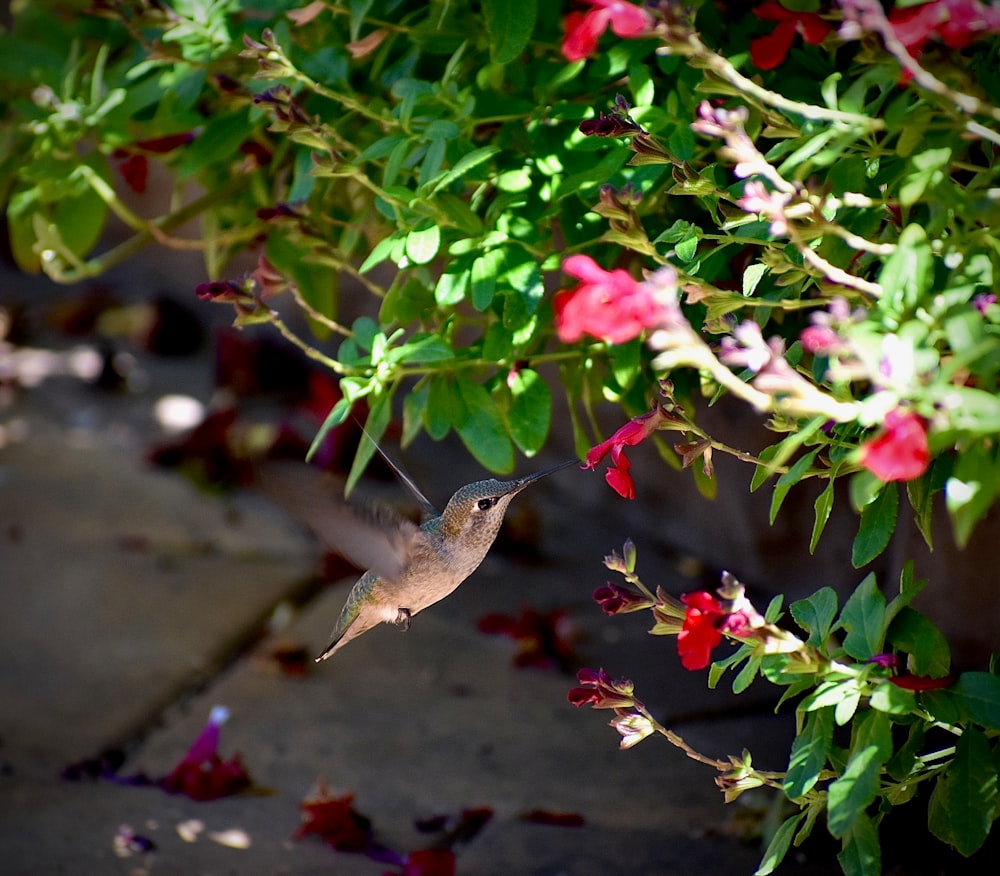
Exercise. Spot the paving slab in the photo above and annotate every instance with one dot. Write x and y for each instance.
(122, 587)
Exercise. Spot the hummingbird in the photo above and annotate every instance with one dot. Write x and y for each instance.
(409, 566)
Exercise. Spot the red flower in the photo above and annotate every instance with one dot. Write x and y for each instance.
(584, 29)
(704, 623)
(918, 683)
(610, 305)
(900, 452)
(202, 774)
(615, 599)
(700, 633)
(633, 432)
(430, 862)
(955, 22)
(334, 820)
(767, 52)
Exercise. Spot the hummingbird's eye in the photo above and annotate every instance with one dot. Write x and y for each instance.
(484, 504)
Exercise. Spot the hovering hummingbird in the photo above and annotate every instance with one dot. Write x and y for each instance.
(410, 566)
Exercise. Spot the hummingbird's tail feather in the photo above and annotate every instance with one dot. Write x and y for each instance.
(360, 613)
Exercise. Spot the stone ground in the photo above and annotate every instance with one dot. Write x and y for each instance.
(131, 603)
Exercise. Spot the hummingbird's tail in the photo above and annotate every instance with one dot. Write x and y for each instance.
(360, 613)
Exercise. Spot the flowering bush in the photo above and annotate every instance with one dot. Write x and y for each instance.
(794, 205)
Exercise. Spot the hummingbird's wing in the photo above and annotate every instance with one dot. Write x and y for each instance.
(372, 538)
(427, 509)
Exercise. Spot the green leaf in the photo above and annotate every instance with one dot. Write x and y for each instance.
(484, 278)
(752, 276)
(878, 522)
(359, 9)
(463, 166)
(815, 614)
(338, 413)
(530, 411)
(860, 854)
(422, 245)
(809, 752)
(909, 272)
(379, 415)
(892, 699)
(856, 788)
(978, 696)
(444, 407)
(832, 693)
(482, 428)
(864, 619)
(970, 491)
(914, 634)
(822, 508)
(510, 24)
(779, 845)
(928, 170)
(960, 811)
(789, 479)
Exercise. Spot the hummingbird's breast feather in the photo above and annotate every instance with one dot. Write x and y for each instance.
(432, 576)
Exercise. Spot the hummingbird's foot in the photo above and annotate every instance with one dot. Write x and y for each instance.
(403, 619)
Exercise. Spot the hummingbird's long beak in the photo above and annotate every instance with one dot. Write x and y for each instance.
(521, 483)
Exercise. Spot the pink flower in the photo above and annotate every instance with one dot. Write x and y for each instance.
(202, 774)
(820, 340)
(767, 52)
(634, 432)
(757, 198)
(610, 305)
(955, 22)
(584, 29)
(900, 452)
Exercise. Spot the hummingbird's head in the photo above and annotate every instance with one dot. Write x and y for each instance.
(476, 511)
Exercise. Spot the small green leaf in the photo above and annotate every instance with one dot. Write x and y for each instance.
(482, 429)
(379, 414)
(856, 788)
(444, 407)
(530, 411)
(809, 752)
(960, 811)
(815, 614)
(978, 696)
(822, 508)
(928, 170)
(422, 245)
(915, 635)
(779, 845)
(970, 491)
(484, 278)
(861, 854)
(892, 699)
(510, 24)
(909, 272)
(752, 276)
(789, 479)
(878, 522)
(338, 413)
(864, 619)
